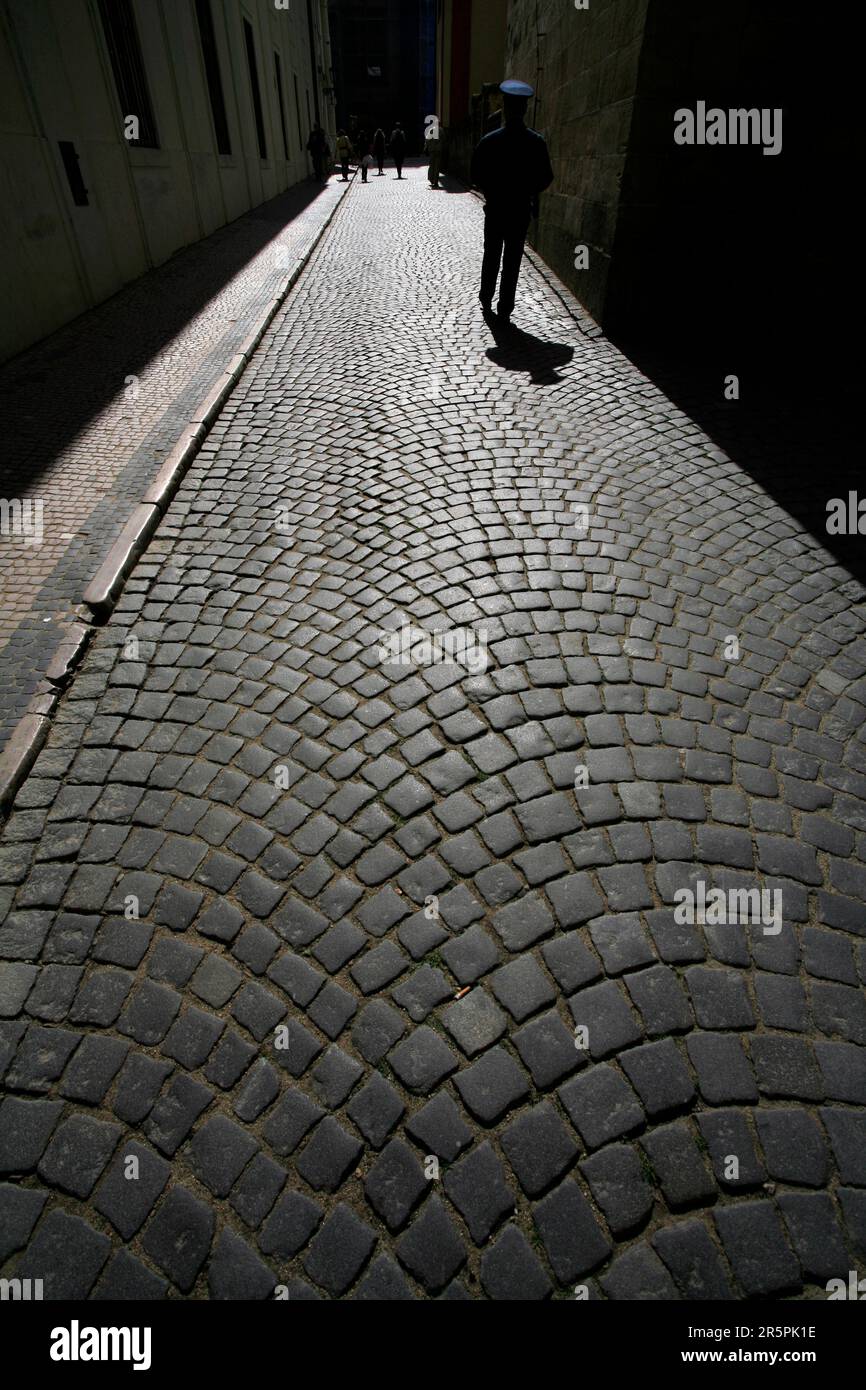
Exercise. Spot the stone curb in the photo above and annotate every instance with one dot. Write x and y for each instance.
(21, 752)
(585, 322)
(103, 589)
(30, 732)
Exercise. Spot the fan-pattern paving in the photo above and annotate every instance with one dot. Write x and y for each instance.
(394, 869)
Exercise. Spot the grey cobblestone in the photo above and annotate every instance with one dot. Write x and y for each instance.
(679, 1165)
(693, 1261)
(601, 1105)
(432, 905)
(178, 1237)
(572, 1237)
(619, 1187)
(492, 1085)
(431, 1249)
(815, 1234)
(339, 1250)
(67, 1254)
(755, 1244)
(510, 1270)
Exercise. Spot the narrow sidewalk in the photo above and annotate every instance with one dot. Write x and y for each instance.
(89, 415)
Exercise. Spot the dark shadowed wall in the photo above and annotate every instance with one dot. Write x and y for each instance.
(691, 239)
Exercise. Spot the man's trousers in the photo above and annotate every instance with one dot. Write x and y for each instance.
(504, 238)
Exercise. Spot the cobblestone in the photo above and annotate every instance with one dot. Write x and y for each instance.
(510, 1270)
(178, 1237)
(431, 1249)
(679, 1165)
(755, 1244)
(313, 935)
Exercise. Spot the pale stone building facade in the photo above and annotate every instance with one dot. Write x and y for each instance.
(223, 94)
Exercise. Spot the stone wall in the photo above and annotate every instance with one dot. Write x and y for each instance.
(687, 239)
(67, 248)
(707, 232)
(584, 67)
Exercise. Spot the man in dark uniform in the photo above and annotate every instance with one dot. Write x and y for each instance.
(511, 166)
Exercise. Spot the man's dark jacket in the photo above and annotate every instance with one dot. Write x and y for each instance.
(511, 166)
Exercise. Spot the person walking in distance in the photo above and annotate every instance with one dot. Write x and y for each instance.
(511, 166)
(398, 147)
(433, 151)
(380, 145)
(344, 153)
(319, 151)
(362, 152)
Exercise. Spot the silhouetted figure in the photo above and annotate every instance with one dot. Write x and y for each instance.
(319, 151)
(433, 151)
(398, 147)
(512, 167)
(362, 150)
(344, 153)
(380, 146)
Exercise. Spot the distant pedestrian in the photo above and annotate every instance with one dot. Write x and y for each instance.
(319, 150)
(398, 147)
(344, 153)
(380, 145)
(362, 151)
(512, 168)
(433, 151)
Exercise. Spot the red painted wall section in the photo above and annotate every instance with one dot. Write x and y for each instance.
(461, 40)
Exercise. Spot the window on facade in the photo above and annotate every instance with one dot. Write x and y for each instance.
(254, 87)
(213, 75)
(278, 75)
(124, 51)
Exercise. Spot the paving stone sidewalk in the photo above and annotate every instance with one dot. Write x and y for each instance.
(89, 415)
(313, 935)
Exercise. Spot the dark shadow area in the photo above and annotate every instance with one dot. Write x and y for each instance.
(797, 445)
(448, 183)
(54, 389)
(728, 261)
(517, 351)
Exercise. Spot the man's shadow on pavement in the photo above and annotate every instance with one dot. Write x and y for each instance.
(518, 351)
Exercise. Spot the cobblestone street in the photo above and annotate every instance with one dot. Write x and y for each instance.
(376, 970)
